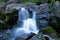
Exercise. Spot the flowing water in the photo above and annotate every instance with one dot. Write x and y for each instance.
(28, 24)
(25, 25)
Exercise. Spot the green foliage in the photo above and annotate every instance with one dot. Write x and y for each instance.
(55, 22)
(43, 1)
(2, 16)
(51, 5)
(50, 31)
(3, 12)
(3, 26)
(8, 18)
(42, 38)
(4, 0)
(13, 10)
(24, 1)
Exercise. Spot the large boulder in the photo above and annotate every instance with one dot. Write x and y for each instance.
(56, 9)
(42, 16)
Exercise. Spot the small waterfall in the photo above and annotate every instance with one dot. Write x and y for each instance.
(23, 14)
(29, 24)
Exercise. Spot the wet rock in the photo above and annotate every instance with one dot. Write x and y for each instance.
(24, 36)
(46, 38)
(44, 7)
(38, 3)
(44, 23)
(42, 16)
(14, 15)
(14, 1)
(4, 34)
(38, 37)
(2, 22)
(55, 23)
(50, 31)
(56, 9)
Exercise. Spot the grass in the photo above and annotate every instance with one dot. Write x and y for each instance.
(24, 1)
(4, 0)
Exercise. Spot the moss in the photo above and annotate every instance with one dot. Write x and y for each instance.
(42, 38)
(9, 19)
(55, 23)
(4, 0)
(50, 31)
(3, 12)
(13, 11)
(3, 26)
(24, 1)
(12, 17)
(2, 15)
(6, 19)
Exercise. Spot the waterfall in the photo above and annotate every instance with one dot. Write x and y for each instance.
(23, 14)
(29, 24)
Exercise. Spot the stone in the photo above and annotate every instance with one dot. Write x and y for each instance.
(42, 16)
(56, 9)
(2, 22)
(14, 1)
(44, 7)
(25, 36)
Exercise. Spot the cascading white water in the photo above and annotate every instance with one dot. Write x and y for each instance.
(29, 24)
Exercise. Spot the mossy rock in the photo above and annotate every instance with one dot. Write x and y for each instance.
(3, 12)
(9, 19)
(2, 15)
(57, 0)
(55, 23)
(50, 31)
(13, 11)
(3, 26)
